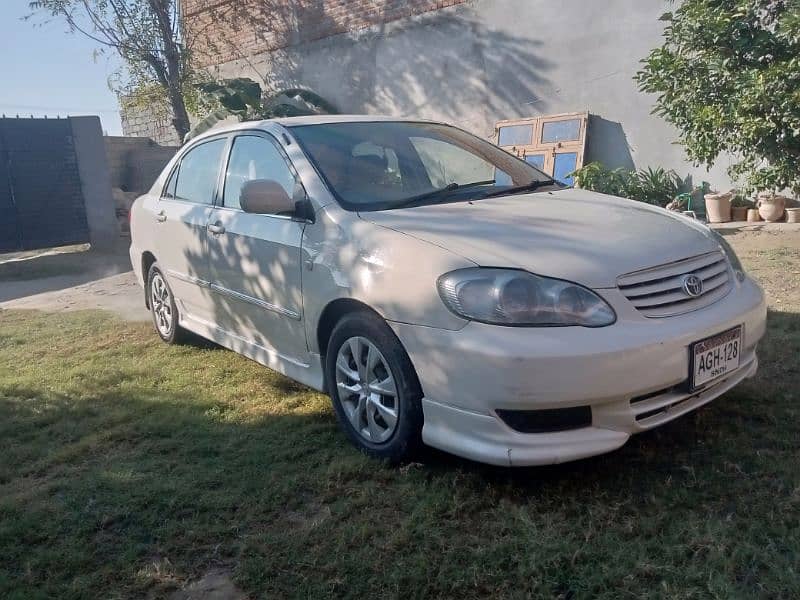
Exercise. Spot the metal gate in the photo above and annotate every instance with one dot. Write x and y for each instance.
(41, 200)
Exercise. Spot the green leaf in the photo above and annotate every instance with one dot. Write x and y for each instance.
(207, 123)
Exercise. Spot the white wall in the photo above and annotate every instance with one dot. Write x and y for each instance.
(488, 60)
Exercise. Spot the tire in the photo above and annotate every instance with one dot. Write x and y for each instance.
(364, 411)
(163, 308)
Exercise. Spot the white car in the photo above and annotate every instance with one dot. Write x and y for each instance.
(441, 290)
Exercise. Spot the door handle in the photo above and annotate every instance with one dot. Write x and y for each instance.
(215, 228)
(161, 217)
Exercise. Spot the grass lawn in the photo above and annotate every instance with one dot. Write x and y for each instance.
(130, 468)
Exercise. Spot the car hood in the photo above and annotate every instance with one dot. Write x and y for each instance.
(573, 234)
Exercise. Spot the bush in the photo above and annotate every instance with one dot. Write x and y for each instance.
(653, 186)
(728, 77)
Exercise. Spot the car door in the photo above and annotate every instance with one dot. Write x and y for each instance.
(255, 259)
(182, 215)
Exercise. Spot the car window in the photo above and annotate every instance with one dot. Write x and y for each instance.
(169, 190)
(378, 164)
(255, 157)
(384, 164)
(447, 163)
(196, 177)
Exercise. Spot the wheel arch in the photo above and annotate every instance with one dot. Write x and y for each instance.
(148, 258)
(339, 308)
(333, 312)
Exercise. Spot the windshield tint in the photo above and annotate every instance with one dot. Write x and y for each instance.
(380, 165)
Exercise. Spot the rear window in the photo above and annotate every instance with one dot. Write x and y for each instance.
(196, 176)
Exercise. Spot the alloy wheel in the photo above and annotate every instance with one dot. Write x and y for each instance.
(367, 389)
(161, 303)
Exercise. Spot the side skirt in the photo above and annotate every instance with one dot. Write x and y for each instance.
(310, 374)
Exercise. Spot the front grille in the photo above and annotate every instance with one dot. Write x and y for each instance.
(658, 292)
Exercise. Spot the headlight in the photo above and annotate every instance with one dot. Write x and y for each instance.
(518, 298)
(738, 269)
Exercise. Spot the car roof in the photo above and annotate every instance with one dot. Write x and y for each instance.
(321, 119)
(305, 120)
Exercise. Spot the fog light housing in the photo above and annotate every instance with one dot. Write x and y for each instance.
(548, 420)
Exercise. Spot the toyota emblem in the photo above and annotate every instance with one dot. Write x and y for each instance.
(692, 285)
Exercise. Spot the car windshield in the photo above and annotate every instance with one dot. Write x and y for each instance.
(393, 164)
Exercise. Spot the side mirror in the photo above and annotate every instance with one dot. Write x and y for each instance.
(266, 197)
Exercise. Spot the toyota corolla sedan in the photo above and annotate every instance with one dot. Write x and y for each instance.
(441, 290)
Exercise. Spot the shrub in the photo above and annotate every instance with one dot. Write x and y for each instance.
(652, 185)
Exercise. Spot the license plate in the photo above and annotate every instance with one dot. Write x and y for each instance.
(716, 356)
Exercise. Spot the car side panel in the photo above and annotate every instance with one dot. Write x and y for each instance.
(347, 257)
(255, 275)
(182, 252)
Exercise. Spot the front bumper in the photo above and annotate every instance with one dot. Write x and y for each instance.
(631, 374)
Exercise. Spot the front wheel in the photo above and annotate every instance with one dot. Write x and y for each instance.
(374, 388)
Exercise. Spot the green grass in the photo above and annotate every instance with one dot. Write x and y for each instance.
(129, 467)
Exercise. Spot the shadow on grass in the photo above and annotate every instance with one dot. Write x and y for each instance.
(131, 480)
(97, 485)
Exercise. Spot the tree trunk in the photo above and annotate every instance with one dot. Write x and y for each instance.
(172, 78)
(180, 118)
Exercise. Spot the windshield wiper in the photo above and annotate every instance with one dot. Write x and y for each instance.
(528, 187)
(450, 187)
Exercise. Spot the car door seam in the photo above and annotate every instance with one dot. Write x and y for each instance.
(235, 295)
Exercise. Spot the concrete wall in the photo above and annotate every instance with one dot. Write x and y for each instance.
(90, 153)
(485, 60)
(136, 162)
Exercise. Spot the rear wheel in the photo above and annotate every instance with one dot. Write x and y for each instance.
(162, 307)
(374, 388)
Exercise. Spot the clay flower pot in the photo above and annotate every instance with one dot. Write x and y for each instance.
(752, 215)
(738, 213)
(793, 215)
(771, 206)
(718, 207)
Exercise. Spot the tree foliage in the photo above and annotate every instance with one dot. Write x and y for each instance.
(243, 98)
(728, 77)
(146, 35)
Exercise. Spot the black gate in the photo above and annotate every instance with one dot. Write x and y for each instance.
(41, 201)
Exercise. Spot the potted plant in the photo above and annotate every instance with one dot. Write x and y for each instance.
(718, 207)
(739, 207)
(793, 211)
(753, 216)
(771, 206)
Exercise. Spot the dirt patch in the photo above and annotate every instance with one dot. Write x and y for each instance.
(216, 584)
(65, 281)
(775, 236)
(772, 257)
(310, 515)
(119, 293)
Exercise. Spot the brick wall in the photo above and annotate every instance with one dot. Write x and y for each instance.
(223, 30)
(147, 124)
